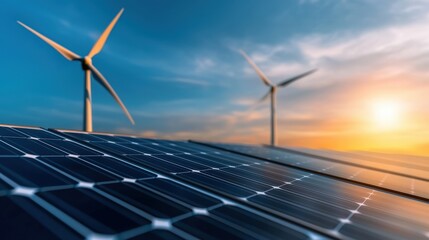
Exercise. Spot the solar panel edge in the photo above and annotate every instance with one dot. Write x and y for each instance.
(354, 182)
(345, 163)
(267, 213)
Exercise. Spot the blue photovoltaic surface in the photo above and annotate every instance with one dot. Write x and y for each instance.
(411, 166)
(337, 208)
(52, 187)
(406, 185)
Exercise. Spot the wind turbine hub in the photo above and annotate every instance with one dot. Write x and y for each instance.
(86, 62)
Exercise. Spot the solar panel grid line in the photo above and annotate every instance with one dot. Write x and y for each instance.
(380, 188)
(347, 163)
(284, 217)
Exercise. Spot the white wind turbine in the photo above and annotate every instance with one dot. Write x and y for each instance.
(88, 68)
(272, 92)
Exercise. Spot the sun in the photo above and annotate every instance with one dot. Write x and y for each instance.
(386, 114)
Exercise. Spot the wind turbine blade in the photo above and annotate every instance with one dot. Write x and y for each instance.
(293, 79)
(256, 68)
(62, 50)
(261, 100)
(265, 97)
(103, 38)
(100, 78)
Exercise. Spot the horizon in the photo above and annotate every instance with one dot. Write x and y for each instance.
(179, 72)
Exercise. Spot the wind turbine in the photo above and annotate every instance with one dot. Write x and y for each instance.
(88, 69)
(272, 92)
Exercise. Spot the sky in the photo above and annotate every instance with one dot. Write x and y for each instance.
(176, 66)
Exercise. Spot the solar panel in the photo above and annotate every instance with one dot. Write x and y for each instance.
(325, 203)
(396, 183)
(55, 187)
(414, 168)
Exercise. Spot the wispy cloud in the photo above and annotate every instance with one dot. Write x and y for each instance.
(183, 80)
(203, 64)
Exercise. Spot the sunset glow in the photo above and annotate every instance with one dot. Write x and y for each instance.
(386, 115)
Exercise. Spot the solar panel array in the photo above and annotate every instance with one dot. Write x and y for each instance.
(72, 184)
(53, 187)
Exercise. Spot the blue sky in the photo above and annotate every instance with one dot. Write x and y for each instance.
(176, 67)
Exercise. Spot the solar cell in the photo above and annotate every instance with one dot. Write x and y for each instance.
(4, 185)
(304, 197)
(55, 187)
(10, 132)
(7, 150)
(20, 219)
(33, 146)
(36, 133)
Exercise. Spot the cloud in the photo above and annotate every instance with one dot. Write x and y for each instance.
(183, 80)
(244, 102)
(308, 1)
(204, 64)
